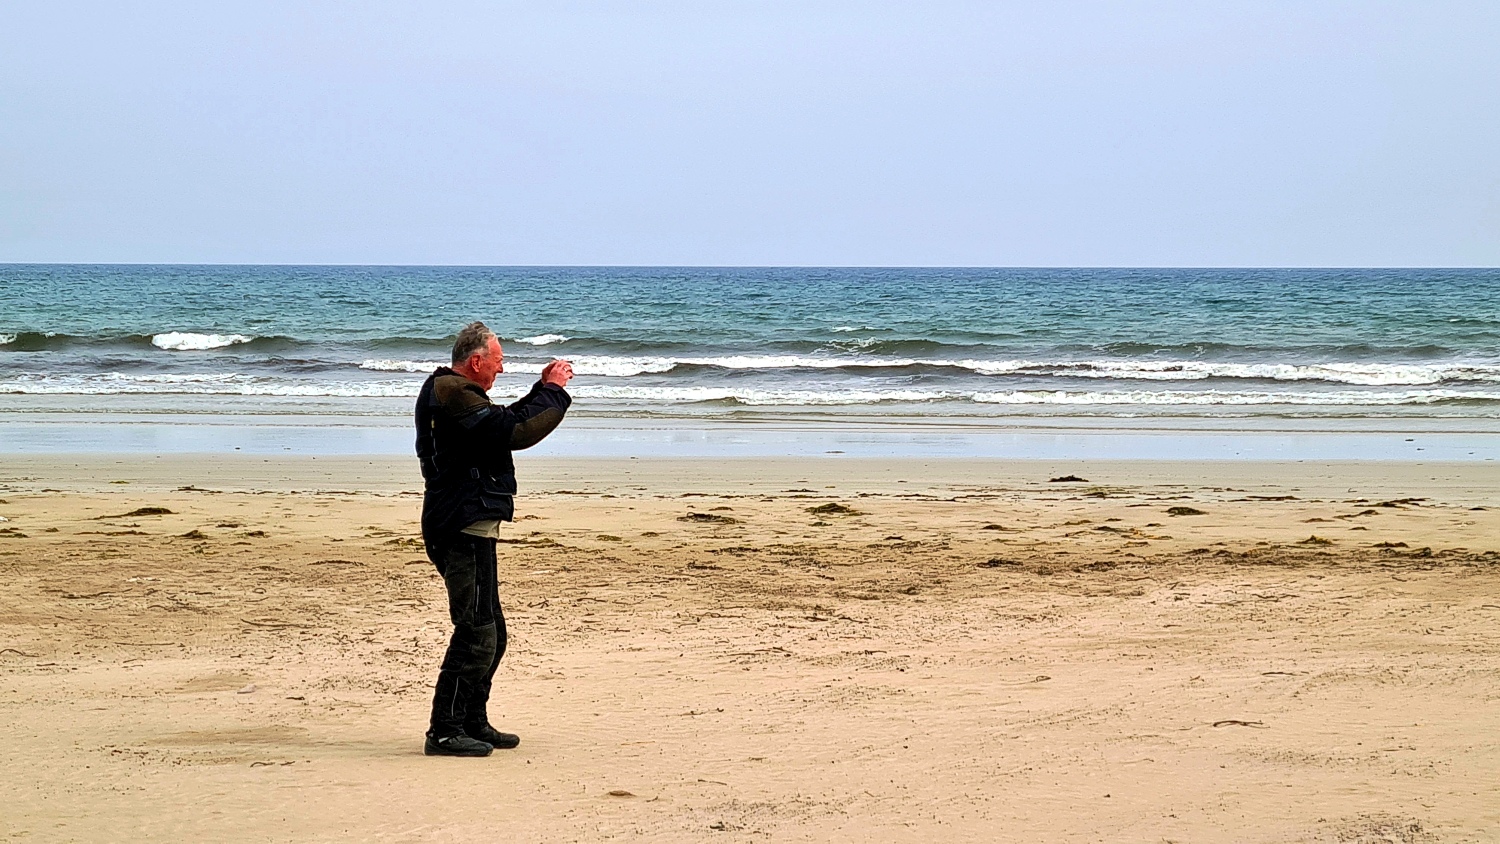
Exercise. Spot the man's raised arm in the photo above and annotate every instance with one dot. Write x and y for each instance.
(539, 412)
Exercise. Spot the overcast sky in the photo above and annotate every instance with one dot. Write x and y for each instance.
(1041, 133)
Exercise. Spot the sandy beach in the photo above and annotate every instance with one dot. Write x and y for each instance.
(772, 650)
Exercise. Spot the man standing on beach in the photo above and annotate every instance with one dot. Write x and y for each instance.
(464, 443)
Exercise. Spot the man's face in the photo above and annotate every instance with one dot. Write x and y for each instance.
(487, 364)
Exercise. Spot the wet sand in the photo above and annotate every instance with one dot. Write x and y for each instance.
(823, 649)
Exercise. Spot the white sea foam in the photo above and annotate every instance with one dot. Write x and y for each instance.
(1332, 398)
(230, 383)
(384, 365)
(1358, 374)
(543, 339)
(1355, 398)
(597, 365)
(361, 390)
(177, 378)
(756, 397)
(7, 339)
(183, 341)
(796, 362)
(219, 384)
(611, 366)
(854, 345)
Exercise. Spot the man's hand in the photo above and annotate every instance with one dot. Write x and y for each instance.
(557, 373)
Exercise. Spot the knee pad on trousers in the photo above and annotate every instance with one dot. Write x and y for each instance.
(483, 640)
(472, 649)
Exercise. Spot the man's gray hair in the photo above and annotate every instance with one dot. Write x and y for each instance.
(473, 339)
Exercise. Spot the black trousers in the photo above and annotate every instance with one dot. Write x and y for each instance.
(461, 698)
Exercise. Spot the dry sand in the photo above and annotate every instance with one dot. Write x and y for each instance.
(900, 650)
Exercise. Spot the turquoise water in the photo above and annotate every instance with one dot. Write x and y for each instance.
(747, 342)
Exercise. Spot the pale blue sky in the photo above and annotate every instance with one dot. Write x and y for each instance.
(938, 133)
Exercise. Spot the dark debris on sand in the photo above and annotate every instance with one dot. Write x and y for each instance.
(142, 511)
(833, 508)
(708, 518)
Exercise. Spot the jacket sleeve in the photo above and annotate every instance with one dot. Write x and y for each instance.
(537, 414)
(520, 425)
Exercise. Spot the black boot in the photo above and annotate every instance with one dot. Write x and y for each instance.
(459, 745)
(486, 733)
(477, 720)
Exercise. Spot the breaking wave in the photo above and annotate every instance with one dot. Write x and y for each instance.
(543, 339)
(384, 365)
(1031, 397)
(225, 383)
(1360, 374)
(609, 367)
(182, 341)
(1330, 398)
(1355, 374)
(219, 384)
(31, 341)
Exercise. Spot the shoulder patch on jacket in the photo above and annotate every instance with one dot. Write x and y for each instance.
(458, 396)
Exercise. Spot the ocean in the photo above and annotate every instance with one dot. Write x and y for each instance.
(757, 343)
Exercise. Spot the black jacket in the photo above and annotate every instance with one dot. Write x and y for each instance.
(464, 443)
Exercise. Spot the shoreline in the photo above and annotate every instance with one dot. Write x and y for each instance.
(550, 476)
(1059, 438)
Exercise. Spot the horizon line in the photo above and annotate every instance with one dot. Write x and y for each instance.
(755, 266)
